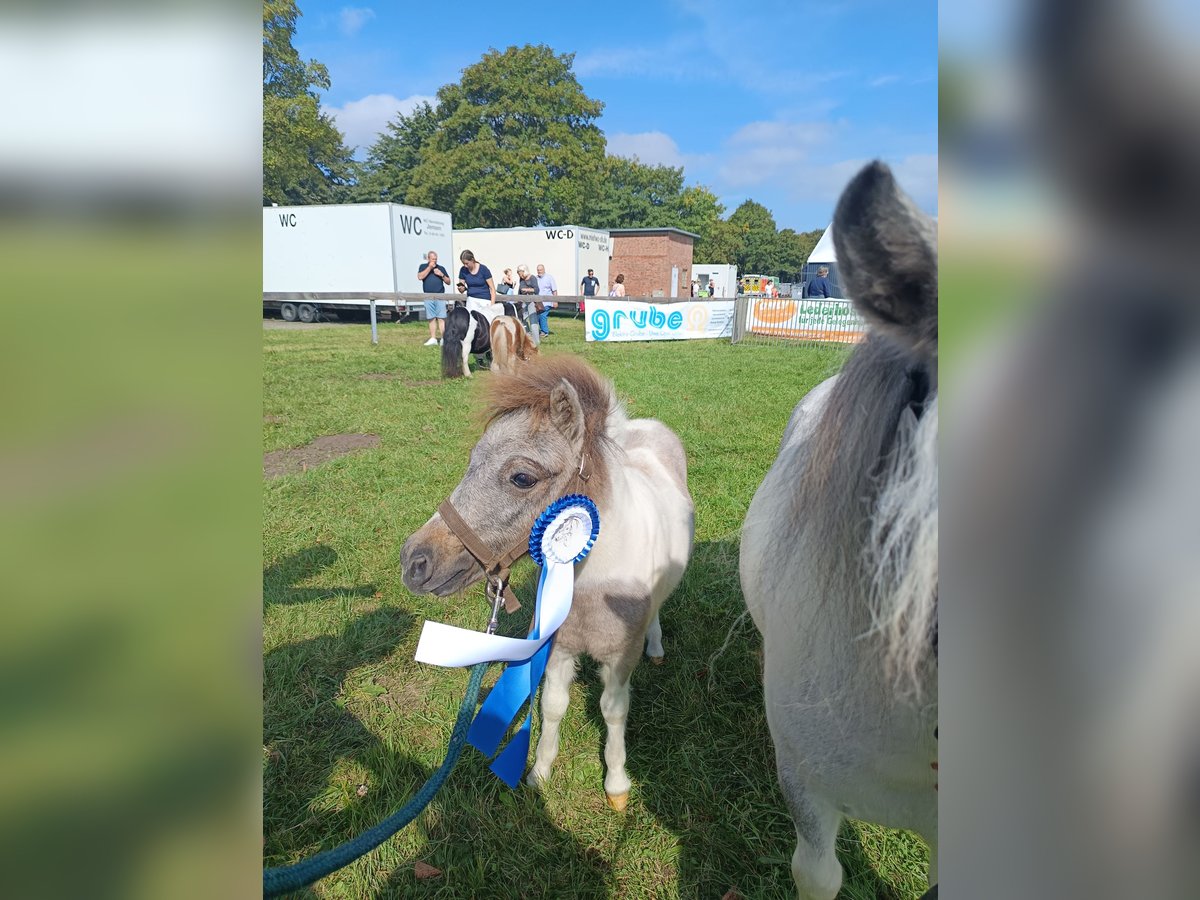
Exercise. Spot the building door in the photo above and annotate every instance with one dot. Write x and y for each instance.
(674, 281)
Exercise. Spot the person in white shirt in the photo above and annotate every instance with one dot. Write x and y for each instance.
(547, 287)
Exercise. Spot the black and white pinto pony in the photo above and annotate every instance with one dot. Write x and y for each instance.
(839, 553)
(468, 330)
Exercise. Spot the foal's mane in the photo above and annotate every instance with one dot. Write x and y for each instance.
(530, 388)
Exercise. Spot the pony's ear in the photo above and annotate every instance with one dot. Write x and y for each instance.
(887, 257)
(566, 412)
(1118, 137)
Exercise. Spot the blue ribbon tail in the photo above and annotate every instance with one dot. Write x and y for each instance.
(509, 766)
(500, 708)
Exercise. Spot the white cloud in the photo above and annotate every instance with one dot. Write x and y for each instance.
(352, 18)
(762, 152)
(824, 181)
(653, 148)
(883, 81)
(362, 120)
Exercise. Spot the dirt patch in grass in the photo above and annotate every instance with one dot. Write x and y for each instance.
(274, 420)
(323, 449)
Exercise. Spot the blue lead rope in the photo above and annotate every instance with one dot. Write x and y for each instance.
(284, 879)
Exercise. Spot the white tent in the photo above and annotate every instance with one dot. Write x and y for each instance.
(824, 251)
(823, 255)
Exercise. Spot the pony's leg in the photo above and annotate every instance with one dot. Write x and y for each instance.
(466, 354)
(614, 706)
(654, 647)
(556, 692)
(815, 867)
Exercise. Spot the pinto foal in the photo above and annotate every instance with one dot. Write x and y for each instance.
(556, 427)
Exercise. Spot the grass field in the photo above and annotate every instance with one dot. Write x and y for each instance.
(352, 725)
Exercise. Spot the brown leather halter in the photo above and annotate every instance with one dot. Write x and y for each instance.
(495, 566)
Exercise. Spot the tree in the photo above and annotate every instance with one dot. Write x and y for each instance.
(388, 171)
(632, 194)
(755, 225)
(700, 212)
(515, 143)
(305, 158)
(794, 249)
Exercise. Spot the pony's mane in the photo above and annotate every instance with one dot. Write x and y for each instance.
(529, 389)
(854, 489)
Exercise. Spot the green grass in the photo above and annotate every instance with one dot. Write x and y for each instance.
(345, 704)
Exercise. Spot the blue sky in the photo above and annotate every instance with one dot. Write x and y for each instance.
(780, 102)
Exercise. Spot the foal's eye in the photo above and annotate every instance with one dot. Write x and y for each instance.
(523, 480)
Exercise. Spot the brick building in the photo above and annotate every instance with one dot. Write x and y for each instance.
(646, 257)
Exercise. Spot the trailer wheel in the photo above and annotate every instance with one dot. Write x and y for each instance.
(288, 311)
(307, 312)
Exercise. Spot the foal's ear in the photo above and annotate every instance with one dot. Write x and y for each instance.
(887, 255)
(566, 412)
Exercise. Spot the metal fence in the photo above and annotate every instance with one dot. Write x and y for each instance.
(787, 321)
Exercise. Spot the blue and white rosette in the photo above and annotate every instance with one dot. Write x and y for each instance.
(562, 536)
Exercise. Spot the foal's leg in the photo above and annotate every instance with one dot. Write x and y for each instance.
(614, 706)
(556, 692)
(815, 867)
(468, 340)
(654, 647)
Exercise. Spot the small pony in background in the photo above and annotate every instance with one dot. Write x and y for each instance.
(511, 344)
(469, 330)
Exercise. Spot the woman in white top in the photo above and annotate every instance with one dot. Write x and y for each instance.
(618, 288)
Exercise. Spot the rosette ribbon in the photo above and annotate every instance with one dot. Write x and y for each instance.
(562, 536)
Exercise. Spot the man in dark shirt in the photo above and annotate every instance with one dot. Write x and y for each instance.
(590, 283)
(819, 287)
(434, 279)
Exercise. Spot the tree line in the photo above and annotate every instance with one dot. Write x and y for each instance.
(515, 142)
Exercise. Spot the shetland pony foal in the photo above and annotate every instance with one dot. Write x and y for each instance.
(556, 428)
(839, 560)
(468, 330)
(510, 344)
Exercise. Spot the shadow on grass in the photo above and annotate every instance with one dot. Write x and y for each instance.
(320, 752)
(699, 749)
(280, 578)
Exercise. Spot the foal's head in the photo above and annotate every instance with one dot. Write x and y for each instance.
(545, 437)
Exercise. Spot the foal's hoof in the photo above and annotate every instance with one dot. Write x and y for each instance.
(657, 660)
(618, 801)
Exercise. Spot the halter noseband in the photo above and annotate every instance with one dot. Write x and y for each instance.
(495, 566)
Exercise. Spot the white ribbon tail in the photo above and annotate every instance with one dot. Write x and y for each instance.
(449, 645)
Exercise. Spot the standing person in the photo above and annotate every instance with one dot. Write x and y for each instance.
(618, 288)
(527, 287)
(712, 289)
(507, 285)
(478, 278)
(589, 284)
(695, 286)
(434, 279)
(547, 287)
(820, 286)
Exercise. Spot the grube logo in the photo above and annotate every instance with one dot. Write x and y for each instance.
(649, 319)
(410, 224)
(287, 219)
(560, 234)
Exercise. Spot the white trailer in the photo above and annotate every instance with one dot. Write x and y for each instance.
(723, 277)
(341, 256)
(567, 252)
